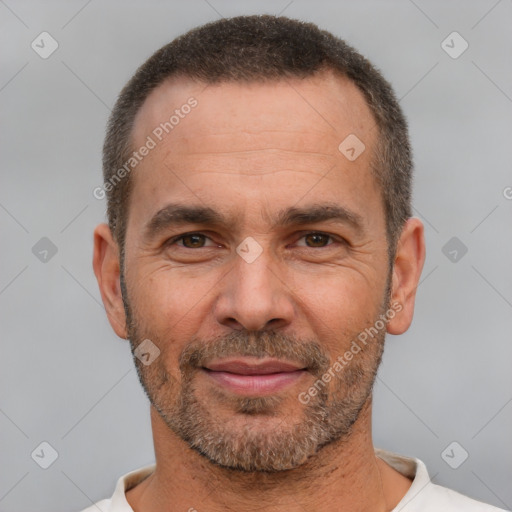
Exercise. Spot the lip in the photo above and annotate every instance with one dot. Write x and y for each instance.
(252, 366)
(255, 377)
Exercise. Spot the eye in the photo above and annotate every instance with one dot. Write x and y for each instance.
(316, 240)
(191, 241)
(312, 240)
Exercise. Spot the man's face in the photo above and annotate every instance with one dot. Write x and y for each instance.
(253, 305)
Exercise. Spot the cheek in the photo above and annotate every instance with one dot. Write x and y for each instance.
(339, 307)
(169, 302)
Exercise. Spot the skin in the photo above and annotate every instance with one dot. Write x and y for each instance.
(248, 151)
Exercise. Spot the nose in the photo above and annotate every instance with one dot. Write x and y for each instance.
(255, 295)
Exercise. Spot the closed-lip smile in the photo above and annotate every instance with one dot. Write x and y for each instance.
(252, 376)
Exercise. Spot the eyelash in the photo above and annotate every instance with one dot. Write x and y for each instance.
(175, 239)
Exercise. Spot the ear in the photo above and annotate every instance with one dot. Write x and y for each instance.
(107, 270)
(408, 264)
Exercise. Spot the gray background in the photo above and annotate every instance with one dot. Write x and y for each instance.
(67, 379)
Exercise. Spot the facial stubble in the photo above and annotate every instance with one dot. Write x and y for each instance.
(248, 444)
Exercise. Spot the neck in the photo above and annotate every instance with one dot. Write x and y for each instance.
(342, 475)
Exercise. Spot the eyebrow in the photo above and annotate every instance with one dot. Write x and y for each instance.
(176, 214)
(319, 213)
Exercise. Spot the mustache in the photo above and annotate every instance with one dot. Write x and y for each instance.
(307, 354)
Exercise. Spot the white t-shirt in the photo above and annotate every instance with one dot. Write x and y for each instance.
(422, 496)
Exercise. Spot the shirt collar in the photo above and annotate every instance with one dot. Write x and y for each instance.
(125, 483)
(411, 468)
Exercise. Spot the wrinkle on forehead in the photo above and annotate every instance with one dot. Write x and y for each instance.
(247, 163)
(325, 106)
(255, 132)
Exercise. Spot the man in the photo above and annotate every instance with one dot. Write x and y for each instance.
(260, 244)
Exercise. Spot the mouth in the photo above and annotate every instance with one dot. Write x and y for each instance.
(253, 377)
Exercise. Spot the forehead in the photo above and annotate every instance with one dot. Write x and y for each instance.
(320, 111)
(245, 144)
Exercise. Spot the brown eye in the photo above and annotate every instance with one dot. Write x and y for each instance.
(317, 240)
(192, 241)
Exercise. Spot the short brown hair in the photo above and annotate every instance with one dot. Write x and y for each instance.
(262, 48)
